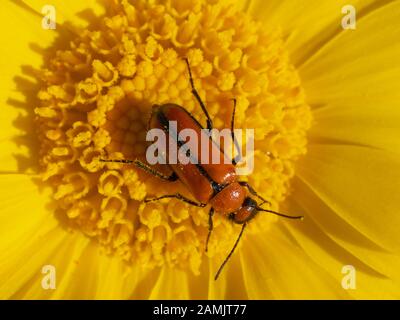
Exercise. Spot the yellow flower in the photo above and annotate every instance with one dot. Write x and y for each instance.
(323, 102)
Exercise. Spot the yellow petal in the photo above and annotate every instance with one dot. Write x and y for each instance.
(171, 284)
(275, 267)
(359, 184)
(231, 282)
(359, 123)
(64, 259)
(18, 88)
(332, 244)
(22, 53)
(95, 275)
(23, 208)
(307, 25)
(29, 232)
(31, 237)
(75, 12)
(326, 223)
(353, 80)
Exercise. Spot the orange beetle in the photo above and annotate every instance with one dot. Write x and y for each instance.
(209, 183)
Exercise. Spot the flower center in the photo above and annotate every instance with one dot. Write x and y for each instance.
(96, 100)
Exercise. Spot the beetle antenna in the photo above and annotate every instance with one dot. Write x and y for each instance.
(280, 214)
(230, 253)
(237, 158)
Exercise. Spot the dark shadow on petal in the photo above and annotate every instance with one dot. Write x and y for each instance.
(25, 123)
(28, 82)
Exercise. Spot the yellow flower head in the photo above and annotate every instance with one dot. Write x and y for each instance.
(96, 100)
(324, 105)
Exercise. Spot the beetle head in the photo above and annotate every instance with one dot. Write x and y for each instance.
(246, 212)
(250, 208)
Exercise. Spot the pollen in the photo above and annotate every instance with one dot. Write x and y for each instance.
(96, 99)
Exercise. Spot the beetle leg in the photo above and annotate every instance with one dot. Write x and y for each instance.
(179, 197)
(210, 225)
(197, 96)
(117, 160)
(236, 159)
(145, 167)
(253, 192)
